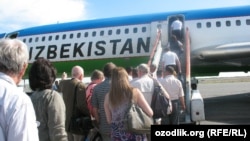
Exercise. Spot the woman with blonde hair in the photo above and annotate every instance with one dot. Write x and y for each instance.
(116, 103)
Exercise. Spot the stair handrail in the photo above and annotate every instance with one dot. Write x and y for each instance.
(155, 47)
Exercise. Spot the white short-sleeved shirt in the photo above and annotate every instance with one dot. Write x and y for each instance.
(169, 58)
(17, 115)
(146, 85)
(176, 25)
(173, 86)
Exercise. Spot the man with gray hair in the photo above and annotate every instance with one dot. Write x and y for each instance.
(144, 82)
(17, 115)
(74, 88)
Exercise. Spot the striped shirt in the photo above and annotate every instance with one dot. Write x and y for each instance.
(97, 101)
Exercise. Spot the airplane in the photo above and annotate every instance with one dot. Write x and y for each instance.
(216, 40)
(219, 40)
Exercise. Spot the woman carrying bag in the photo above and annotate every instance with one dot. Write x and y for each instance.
(116, 104)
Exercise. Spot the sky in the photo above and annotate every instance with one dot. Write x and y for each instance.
(18, 14)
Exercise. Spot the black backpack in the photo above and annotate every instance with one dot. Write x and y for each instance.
(160, 104)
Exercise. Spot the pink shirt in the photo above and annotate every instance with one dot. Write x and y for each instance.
(89, 92)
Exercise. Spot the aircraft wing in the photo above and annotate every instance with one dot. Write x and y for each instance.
(227, 53)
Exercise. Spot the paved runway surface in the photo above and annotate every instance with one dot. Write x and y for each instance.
(226, 101)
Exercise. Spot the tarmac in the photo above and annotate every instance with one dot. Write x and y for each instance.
(226, 100)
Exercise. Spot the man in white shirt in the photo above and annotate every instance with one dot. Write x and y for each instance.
(176, 28)
(17, 115)
(170, 58)
(144, 83)
(175, 90)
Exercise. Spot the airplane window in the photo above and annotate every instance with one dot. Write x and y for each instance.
(135, 30)
(93, 33)
(198, 25)
(78, 35)
(36, 40)
(71, 35)
(86, 34)
(208, 24)
(238, 23)
(57, 37)
(118, 31)
(126, 31)
(50, 38)
(64, 36)
(143, 29)
(110, 32)
(228, 23)
(24, 40)
(248, 21)
(30, 40)
(218, 24)
(102, 33)
(43, 38)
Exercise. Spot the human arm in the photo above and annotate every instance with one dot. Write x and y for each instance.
(178, 63)
(181, 97)
(64, 76)
(180, 45)
(141, 101)
(182, 101)
(107, 109)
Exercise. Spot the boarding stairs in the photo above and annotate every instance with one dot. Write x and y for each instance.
(190, 115)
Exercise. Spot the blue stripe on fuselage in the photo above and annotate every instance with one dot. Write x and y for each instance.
(139, 19)
(2, 35)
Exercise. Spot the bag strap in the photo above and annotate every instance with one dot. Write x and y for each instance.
(74, 102)
(75, 93)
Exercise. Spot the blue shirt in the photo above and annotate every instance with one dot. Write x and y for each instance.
(17, 115)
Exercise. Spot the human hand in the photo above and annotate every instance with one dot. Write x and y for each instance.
(64, 76)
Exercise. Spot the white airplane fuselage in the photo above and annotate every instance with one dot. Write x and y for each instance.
(219, 40)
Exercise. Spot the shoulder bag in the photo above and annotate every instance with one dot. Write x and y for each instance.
(160, 104)
(79, 125)
(136, 120)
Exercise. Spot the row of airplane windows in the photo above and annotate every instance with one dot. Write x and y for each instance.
(126, 31)
(219, 23)
(85, 35)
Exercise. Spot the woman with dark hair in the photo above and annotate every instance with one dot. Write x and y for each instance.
(48, 104)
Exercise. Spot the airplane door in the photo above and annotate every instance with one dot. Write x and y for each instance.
(178, 48)
(171, 19)
(161, 26)
(159, 38)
